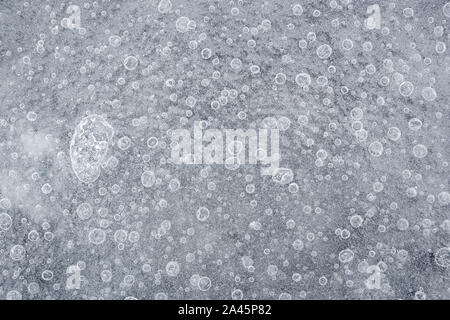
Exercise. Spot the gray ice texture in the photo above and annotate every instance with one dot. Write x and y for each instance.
(92, 207)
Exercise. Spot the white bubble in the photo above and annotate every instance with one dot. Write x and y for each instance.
(255, 225)
(428, 94)
(321, 154)
(303, 79)
(204, 283)
(182, 24)
(247, 261)
(148, 178)
(134, 236)
(420, 151)
(283, 123)
(442, 257)
(415, 124)
(411, 192)
(356, 221)
(17, 252)
(236, 63)
(376, 149)
(357, 113)
(402, 224)
(46, 188)
(5, 221)
(283, 176)
(87, 173)
(172, 268)
(440, 47)
(237, 294)
(347, 44)
(120, 236)
(346, 256)
(84, 211)
(13, 295)
(33, 288)
(324, 51)
(293, 187)
(255, 69)
(164, 6)
(89, 147)
(298, 245)
(444, 198)
(297, 9)
(302, 44)
(130, 63)
(285, 296)
(124, 143)
(272, 270)
(394, 133)
(202, 214)
(406, 88)
(161, 296)
(280, 78)
(115, 41)
(232, 163)
(33, 235)
(446, 9)
(5, 203)
(174, 184)
(152, 142)
(206, 53)
(97, 236)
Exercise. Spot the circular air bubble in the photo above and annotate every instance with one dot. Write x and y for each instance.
(130, 63)
(97, 236)
(406, 88)
(172, 268)
(5, 221)
(89, 147)
(376, 149)
(182, 24)
(17, 252)
(148, 178)
(324, 51)
(303, 79)
(346, 256)
(202, 214)
(428, 94)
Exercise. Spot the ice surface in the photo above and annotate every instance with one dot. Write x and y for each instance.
(93, 207)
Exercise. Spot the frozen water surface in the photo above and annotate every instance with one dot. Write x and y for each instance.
(357, 205)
